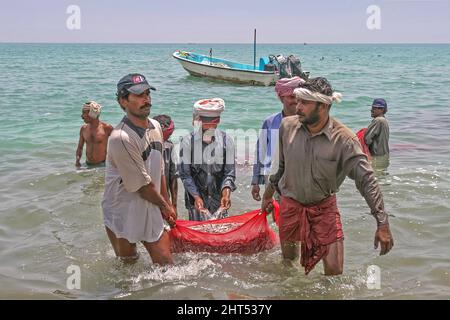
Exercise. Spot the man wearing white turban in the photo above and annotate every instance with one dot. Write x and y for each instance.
(95, 134)
(207, 163)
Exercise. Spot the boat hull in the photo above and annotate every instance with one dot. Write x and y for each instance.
(228, 74)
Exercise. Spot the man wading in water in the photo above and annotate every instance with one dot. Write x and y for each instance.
(317, 152)
(267, 144)
(135, 201)
(207, 165)
(377, 134)
(95, 134)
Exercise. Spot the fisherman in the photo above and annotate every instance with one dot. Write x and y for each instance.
(170, 166)
(377, 134)
(95, 134)
(266, 147)
(316, 153)
(135, 201)
(207, 163)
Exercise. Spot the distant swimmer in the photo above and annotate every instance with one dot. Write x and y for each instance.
(377, 134)
(95, 134)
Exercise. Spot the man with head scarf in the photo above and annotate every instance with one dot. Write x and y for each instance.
(95, 134)
(267, 143)
(207, 163)
(316, 154)
(170, 166)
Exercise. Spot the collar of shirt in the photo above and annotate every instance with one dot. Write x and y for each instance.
(326, 130)
(140, 131)
(273, 121)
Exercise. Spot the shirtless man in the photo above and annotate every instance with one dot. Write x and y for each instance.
(95, 134)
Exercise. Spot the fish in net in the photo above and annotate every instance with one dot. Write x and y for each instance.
(246, 233)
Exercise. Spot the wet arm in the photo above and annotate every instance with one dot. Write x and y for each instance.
(150, 193)
(163, 189)
(360, 170)
(174, 191)
(79, 152)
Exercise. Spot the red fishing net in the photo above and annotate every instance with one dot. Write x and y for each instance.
(360, 134)
(246, 234)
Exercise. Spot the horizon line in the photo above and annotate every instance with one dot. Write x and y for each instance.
(201, 43)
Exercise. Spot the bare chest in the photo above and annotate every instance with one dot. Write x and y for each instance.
(95, 134)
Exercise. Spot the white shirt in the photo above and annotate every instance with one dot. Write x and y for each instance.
(134, 159)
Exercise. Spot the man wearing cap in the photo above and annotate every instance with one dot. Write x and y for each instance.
(95, 134)
(135, 201)
(266, 146)
(207, 163)
(316, 153)
(377, 134)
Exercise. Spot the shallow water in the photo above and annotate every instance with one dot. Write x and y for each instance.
(50, 214)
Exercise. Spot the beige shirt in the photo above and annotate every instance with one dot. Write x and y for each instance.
(377, 136)
(312, 167)
(134, 159)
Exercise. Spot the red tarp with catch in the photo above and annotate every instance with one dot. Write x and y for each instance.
(360, 134)
(246, 234)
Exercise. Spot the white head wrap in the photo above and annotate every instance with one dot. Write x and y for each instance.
(305, 94)
(208, 108)
(94, 109)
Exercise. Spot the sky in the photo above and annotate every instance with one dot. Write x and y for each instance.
(226, 21)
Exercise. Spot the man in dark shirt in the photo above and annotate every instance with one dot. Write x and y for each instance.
(207, 163)
(377, 134)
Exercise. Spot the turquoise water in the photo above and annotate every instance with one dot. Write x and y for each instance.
(50, 215)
